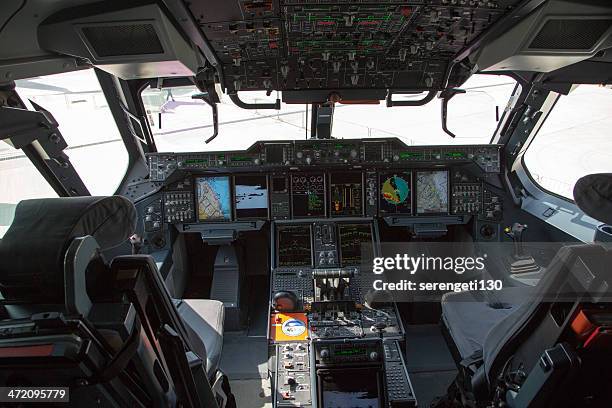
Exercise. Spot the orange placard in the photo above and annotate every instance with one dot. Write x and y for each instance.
(288, 327)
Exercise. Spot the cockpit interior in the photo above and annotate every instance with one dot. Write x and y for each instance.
(306, 203)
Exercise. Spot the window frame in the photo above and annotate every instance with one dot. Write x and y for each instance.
(532, 137)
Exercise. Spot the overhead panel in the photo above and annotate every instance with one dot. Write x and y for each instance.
(311, 44)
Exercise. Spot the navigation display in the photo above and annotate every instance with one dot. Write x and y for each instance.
(294, 246)
(432, 192)
(308, 192)
(214, 198)
(355, 243)
(346, 194)
(251, 196)
(396, 193)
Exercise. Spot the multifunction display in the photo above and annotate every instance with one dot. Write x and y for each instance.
(355, 243)
(432, 192)
(294, 246)
(251, 196)
(214, 198)
(346, 190)
(396, 192)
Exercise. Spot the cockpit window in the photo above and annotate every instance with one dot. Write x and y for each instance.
(575, 140)
(19, 180)
(95, 147)
(180, 123)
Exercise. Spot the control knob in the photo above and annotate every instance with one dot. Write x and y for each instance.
(324, 353)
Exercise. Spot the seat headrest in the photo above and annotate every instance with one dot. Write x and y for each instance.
(33, 248)
(593, 195)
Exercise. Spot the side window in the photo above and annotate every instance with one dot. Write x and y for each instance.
(19, 180)
(575, 140)
(95, 147)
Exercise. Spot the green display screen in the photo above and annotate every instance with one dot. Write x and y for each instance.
(349, 352)
(456, 155)
(195, 161)
(240, 158)
(410, 155)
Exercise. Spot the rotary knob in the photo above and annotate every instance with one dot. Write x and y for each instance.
(325, 353)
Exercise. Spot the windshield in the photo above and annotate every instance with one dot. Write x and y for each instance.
(574, 140)
(180, 123)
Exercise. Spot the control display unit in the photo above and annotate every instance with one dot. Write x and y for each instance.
(214, 198)
(346, 191)
(355, 243)
(432, 192)
(308, 195)
(395, 192)
(294, 246)
(251, 196)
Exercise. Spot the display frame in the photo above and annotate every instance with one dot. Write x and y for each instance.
(292, 196)
(196, 198)
(329, 193)
(235, 205)
(339, 240)
(380, 174)
(349, 371)
(278, 228)
(415, 210)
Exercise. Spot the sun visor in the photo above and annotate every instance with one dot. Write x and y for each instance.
(558, 34)
(129, 42)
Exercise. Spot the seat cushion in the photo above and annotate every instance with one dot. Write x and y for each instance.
(204, 323)
(469, 316)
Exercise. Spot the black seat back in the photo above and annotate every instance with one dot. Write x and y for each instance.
(125, 348)
(578, 278)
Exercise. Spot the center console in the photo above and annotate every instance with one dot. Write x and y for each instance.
(331, 348)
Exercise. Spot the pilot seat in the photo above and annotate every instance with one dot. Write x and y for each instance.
(58, 287)
(547, 345)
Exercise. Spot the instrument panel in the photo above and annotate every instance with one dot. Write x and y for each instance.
(324, 179)
(254, 196)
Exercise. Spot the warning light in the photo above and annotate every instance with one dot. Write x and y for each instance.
(406, 11)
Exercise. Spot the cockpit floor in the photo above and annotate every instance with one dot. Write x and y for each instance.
(252, 393)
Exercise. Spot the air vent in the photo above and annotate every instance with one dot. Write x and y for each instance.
(122, 40)
(570, 34)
